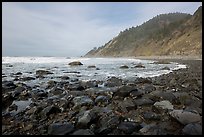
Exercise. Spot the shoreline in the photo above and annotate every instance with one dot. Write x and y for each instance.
(122, 107)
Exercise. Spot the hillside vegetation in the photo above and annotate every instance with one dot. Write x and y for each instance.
(166, 34)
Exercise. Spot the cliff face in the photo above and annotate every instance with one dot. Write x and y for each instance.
(165, 34)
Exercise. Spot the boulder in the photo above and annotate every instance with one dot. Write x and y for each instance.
(43, 72)
(91, 66)
(60, 128)
(165, 104)
(192, 129)
(139, 66)
(51, 110)
(85, 119)
(113, 81)
(124, 67)
(143, 101)
(124, 91)
(27, 78)
(75, 63)
(102, 100)
(185, 117)
(128, 127)
(165, 68)
(82, 101)
(83, 132)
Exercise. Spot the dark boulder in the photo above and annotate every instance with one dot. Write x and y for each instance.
(75, 63)
(60, 128)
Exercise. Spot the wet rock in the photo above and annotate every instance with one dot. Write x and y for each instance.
(166, 96)
(108, 122)
(185, 117)
(18, 73)
(76, 93)
(151, 116)
(85, 119)
(60, 128)
(82, 101)
(89, 84)
(51, 84)
(124, 67)
(165, 104)
(18, 91)
(139, 66)
(83, 132)
(13, 107)
(128, 127)
(127, 105)
(56, 91)
(152, 129)
(148, 88)
(192, 129)
(102, 100)
(143, 101)
(7, 100)
(8, 85)
(143, 80)
(165, 68)
(27, 78)
(65, 77)
(43, 72)
(75, 63)
(91, 66)
(124, 91)
(51, 110)
(113, 81)
(136, 93)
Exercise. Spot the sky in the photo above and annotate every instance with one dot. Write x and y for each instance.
(71, 29)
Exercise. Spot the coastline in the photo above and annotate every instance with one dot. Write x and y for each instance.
(122, 108)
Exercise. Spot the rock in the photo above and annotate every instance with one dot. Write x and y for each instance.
(165, 104)
(151, 116)
(18, 73)
(148, 88)
(83, 132)
(124, 67)
(128, 127)
(43, 72)
(185, 117)
(18, 91)
(51, 110)
(27, 78)
(60, 128)
(143, 101)
(165, 68)
(85, 119)
(127, 105)
(192, 129)
(113, 81)
(143, 80)
(91, 66)
(136, 93)
(76, 93)
(13, 107)
(82, 101)
(166, 96)
(8, 85)
(56, 91)
(75, 63)
(124, 91)
(51, 84)
(152, 129)
(139, 66)
(102, 100)
(108, 122)
(7, 100)
(65, 77)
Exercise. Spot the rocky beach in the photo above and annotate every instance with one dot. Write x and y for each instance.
(170, 104)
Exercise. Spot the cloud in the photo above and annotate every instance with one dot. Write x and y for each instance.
(69, 29)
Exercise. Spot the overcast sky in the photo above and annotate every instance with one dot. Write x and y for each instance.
(72, 29)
